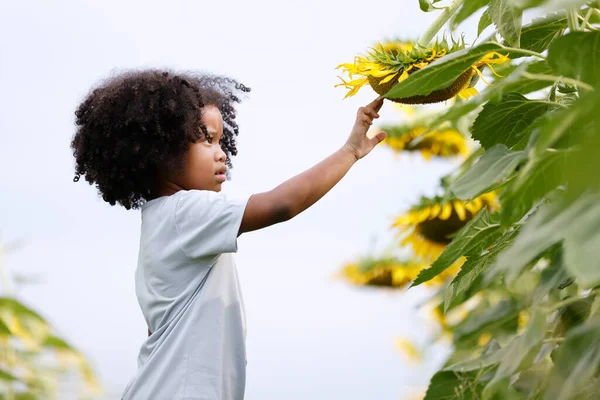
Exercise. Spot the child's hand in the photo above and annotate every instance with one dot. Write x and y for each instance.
(358, 142)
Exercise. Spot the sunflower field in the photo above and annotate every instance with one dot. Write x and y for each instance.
(511, 245)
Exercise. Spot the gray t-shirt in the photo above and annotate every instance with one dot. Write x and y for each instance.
(188, 289)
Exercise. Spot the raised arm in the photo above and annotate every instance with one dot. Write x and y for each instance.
(302, 191)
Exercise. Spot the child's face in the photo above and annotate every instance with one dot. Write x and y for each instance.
(205, 161)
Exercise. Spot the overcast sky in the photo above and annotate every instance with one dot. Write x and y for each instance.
(309, 336)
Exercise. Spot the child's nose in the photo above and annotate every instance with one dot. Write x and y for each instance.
(220, 155)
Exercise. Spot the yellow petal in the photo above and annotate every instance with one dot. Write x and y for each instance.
(446, 211)
(387, 79)
(468, 92)
(460, 210)
(435, 210)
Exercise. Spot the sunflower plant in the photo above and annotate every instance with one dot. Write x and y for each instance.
(35, 362)
(520, 218)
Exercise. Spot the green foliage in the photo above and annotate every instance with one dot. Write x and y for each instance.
(507, 19)
(532, 269)
(507, 121)
(528, 287)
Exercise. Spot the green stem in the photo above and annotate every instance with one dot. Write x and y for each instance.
(552, 78)
(571, 300)
(585, 22)
(523, 51)
(439, 22)
(572, 20)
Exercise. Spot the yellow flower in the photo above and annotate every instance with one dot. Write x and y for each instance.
(392, 62)
(387, 272)
(446, 142)
(409, 350)
(427, 226)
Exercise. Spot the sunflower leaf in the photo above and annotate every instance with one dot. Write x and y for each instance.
(575, 362)
(575, 225)
(507, 122)
(441, 73)
(484, 22)
(471, 240)
(473, 267)
(521, 351)
(491, 168)
(507, 19)
(513, 82)
(538, 35)
(467, 9)
(536, 179)
(577, 55)
(452, 385)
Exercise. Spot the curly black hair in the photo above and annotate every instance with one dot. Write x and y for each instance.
(138, 124)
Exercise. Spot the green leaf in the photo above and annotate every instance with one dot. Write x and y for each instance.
(467, 9)
(484, 22)
(565, 125)
(450, 385)
(577, 55)
(507, 19)
(576, 362)
(521, 351)
(491, 168)
(441, 73)
(525, 85)
(476, 236)
(471, 269)
(536, 179)
(492, 355)
(496, 314)
(575, 224)
(551, 277)
(428, 5)
(513, 82)
(538, 35)
(507, 122)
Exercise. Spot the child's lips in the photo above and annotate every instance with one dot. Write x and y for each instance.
(221, 175)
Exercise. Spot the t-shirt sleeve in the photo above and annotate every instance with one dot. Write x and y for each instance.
(208, 223)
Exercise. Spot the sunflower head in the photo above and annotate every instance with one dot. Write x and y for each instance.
(445, 142)
(387, 272)
(390, 62)
(428, 226)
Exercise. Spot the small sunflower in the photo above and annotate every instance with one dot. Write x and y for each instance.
(391, 272)
(427, 226)
(391, 62)
(446, 142)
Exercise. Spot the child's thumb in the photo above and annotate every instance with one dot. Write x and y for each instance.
(378, 138)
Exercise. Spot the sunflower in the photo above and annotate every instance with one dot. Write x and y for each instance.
(427, 226)
(390, 272)
(391, 62)
(446, 142)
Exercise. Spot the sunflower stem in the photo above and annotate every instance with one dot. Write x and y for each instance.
(439, 22)
(552, 78)
(572, 20)
(522, 51)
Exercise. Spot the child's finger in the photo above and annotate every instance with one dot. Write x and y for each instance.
(378, 138)
(375, 104)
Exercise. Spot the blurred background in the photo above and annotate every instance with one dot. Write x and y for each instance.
(310, 334)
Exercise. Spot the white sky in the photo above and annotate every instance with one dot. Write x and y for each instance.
(309, 336)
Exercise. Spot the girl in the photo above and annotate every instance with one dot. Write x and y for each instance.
(162, 142)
